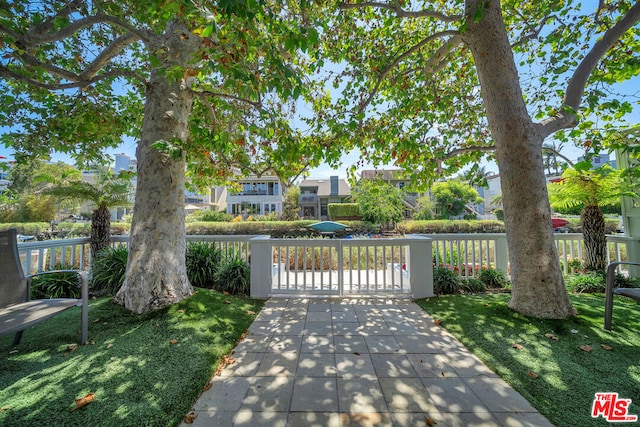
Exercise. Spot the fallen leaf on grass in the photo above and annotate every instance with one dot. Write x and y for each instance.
(5, 408)
(181, 311)
(13, 352)
(225, 293)
(84, 401)
(429, 421)
(586, 348)
(532, 374)
(552, 337)
(109, 346)
(96, 320)
(174, 341)
(517, 346)
(226, 301)
(486, 305)
(207, 386)
(606, 347)
(190, 417)
(251, 313)
(438, 322)
(72, 347)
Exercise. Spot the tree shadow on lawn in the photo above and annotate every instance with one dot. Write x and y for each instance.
(550, 369)
(143, 369)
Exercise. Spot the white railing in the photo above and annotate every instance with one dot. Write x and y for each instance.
(51, 254)
(468, 253)
(342, 266)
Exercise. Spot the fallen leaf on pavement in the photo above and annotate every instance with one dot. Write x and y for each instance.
(552, 337)
(190, 417)
(438, 322)
(207, 386)
(586, 348)
(84, 401)
(356, 353)
(517, 346)
(532, 374)
(429, 421)
(606, 347)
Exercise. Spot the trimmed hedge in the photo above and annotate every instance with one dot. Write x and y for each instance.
(344, 210)
(451, 226)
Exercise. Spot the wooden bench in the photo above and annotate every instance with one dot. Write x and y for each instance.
(633, 293)
(17, 311)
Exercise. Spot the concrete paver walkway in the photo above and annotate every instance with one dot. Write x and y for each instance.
(356, 362)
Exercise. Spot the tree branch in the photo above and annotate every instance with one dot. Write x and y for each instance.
(557, 154)
(399, 59)
(567, 117)
(114, 49)
(459, 151)
(207, 93)
(402, 13)
(7, 73)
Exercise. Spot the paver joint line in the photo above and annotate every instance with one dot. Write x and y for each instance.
(356, 361)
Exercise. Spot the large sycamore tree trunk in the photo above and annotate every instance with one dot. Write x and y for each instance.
(537, 285)
(156, 272)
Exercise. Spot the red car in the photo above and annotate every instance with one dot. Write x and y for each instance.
(558, 222)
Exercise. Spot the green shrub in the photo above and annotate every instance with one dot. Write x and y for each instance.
(592, 282)
(344, 211)
(234, 277)
(445, 281)
(494, 279)
(203, 262)
(472, 285)
(621, 281)
(56, 285)
(108, 271)
(210, 216)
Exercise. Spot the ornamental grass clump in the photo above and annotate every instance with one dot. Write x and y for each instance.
(203, 262)
(108, 271)
(494, 279)
(445, 281)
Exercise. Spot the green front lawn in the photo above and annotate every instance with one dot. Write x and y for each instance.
(567, 376)
(143, 370)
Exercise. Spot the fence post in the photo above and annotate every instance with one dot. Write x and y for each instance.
(502, 254)
(420, 266)
(261, 266)
(633, 255)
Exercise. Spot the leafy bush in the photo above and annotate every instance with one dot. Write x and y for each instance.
(592, 282)
(621, 281)
(234, 277)
(203, 262)
(495, 279)
(472, 285)
(109, 269)
(344, 211)
(210, 216)
(56, 285)
(445, 281)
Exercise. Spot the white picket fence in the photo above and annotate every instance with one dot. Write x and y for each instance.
(342, 266)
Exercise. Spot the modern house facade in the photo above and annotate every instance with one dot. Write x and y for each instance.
(258, 196)
(317, 194)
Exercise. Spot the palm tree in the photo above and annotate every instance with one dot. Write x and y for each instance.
(593, 189)
(107, 192)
